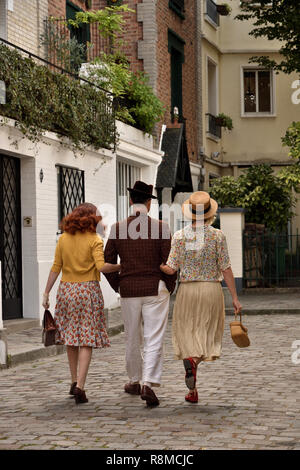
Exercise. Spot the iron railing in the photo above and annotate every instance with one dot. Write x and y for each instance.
(211, 11)
(271, 259)
(68, 47)
(213, 127)
(107, 114)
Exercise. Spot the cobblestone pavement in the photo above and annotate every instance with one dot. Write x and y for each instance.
(249, 399)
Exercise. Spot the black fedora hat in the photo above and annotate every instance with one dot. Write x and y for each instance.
(142, 189)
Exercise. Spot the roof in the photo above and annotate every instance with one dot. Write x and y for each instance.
(174, 170)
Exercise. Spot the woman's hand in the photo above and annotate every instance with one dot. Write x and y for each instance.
(110, 268)
(46, 303)
(237, 306)
(166, 269)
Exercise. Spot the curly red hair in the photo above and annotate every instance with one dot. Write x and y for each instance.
(82, 219)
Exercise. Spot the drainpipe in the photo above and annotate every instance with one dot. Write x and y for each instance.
(198, 61)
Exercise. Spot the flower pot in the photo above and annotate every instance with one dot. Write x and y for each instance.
(219, 121)
(223, 10)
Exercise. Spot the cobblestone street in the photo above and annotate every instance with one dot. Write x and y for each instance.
(249, 399)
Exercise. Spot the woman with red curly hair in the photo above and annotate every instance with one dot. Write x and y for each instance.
(79, 313)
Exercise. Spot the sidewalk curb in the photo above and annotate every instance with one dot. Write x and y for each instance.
(50, 351)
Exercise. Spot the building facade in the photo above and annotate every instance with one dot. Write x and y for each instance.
(258, 101)
(41, 182)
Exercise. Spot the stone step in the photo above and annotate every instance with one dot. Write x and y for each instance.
(20, 324)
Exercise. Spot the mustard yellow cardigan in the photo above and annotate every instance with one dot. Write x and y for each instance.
(79, 256)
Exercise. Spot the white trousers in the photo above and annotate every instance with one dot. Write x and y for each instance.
(153, 311)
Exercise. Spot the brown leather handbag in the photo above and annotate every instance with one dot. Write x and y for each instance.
(239, 333)
(49, 329)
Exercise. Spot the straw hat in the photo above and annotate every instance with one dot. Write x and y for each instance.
(199, 205)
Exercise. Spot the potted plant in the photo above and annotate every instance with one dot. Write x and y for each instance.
(224, 121)
(224, 9)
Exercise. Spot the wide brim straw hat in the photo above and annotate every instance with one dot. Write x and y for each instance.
(199, 206)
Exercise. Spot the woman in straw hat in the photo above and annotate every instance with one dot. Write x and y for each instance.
(200, 252)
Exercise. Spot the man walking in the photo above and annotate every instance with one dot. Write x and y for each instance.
(143, 244)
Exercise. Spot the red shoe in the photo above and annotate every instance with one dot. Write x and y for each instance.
(190, 373)
(192, 397)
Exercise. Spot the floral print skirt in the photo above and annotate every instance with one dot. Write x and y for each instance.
(79, 315)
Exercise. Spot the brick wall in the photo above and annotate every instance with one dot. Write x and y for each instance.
(57, 8)
(25, 24)
(186, 29)
(133, 32)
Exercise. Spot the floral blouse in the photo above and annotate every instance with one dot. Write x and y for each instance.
(200, 255)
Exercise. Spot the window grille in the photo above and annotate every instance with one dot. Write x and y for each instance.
(70, 189)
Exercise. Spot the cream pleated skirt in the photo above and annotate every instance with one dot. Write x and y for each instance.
(198, 320)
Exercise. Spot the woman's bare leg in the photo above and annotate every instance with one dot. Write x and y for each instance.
(197, 361)
(72, 352)
(85, 355)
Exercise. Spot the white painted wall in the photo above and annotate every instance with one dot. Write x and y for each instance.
(39, 200)
(232, 225)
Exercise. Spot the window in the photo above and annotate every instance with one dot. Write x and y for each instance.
(3, 20)
(211, 12)
(70, 189)
(211, 178)
(178, 7)
(257, 91)
(176, 50)
(212, 99)
(82, 33)
(127, 175)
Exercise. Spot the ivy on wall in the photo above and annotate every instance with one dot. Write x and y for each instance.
(39, 99)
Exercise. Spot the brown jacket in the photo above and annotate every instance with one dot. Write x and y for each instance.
(140, 257)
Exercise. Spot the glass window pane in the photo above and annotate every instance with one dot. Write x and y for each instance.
(249, 92)
(264, 91)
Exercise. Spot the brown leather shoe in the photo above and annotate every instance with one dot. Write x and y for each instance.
(148, 395)
(71, 392)
(80, 396)
(133, 389)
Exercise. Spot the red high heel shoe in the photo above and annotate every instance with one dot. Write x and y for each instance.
(190, 372)
(192, 396)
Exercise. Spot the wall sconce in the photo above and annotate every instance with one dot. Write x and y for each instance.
(41, 175)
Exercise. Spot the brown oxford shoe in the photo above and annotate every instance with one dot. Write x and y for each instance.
(80, 396)
(133, 389)
(71, 392)
(148, 395)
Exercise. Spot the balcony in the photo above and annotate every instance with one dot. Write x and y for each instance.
(69, 47)
(211, 12)
(214, 129)
(41, 95)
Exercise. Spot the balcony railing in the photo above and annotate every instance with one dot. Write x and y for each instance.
(213, 127)
(100, 101)
(211, 11)
(68, 47)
